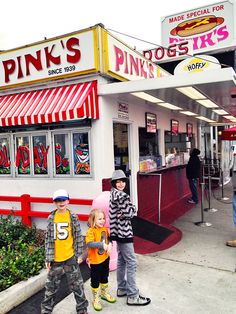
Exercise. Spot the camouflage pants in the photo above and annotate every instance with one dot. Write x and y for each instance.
(75, 283)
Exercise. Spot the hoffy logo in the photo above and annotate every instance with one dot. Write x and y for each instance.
(196, 65)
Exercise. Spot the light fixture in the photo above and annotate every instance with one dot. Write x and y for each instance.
(188, 113)
(169, 106)
(220, 111)
(205, 119)
(147, 97)
(191, 92)
(231, 118)
(207, 103)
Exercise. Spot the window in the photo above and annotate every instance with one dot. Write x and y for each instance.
(72, 155)
(81, 153)
(5, 160)
(22, 155)
(148, 143)
(61, 151)
(40, 149)
(30, 154)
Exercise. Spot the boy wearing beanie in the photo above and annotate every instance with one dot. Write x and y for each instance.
(121, 211)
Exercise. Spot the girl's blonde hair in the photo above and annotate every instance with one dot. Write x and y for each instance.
(93, 217)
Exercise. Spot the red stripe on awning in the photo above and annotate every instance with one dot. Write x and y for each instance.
(50, 105)
(228, 134)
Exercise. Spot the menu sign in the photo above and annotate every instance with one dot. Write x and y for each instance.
(189, 129)
(151, 122)
(174, 127)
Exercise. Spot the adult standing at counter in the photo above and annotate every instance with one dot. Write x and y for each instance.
(193, 174)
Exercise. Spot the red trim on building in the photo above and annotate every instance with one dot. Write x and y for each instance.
(50, 105)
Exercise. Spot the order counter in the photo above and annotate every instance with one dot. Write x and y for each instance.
(166, 202)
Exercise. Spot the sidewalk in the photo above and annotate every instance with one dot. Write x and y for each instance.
(197, 275)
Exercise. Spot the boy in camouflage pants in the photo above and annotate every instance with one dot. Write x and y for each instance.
(63, 246)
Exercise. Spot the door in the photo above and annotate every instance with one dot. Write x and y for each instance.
(121, 149)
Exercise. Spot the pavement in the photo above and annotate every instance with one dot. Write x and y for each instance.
(197, 275)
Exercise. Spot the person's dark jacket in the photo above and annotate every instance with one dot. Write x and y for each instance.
(194, 165)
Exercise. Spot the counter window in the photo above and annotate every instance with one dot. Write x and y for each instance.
(176, 148)
(148, 143)
(175, 143)
(149, 159)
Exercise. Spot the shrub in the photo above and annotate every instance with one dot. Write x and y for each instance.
(21, 251)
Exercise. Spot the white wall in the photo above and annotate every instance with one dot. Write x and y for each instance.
(102, 154)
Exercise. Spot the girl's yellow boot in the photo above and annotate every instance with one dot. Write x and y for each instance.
(105, 295)
(96, 299)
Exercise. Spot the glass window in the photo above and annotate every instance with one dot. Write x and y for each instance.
(81, 154)
(40, 148)
(5, 161)
(148, 143)
(68, 156)
(22, 155)
(61, 149)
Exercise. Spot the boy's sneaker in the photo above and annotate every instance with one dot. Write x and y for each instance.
(121, 293)
(139, 300)
(191, 202)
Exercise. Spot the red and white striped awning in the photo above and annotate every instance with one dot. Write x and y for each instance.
(50, 105)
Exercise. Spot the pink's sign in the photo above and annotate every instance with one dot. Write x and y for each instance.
(52, 59)
(207, 29)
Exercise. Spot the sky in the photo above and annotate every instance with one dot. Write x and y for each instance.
(24, 22)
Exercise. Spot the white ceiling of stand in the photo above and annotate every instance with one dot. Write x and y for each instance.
(217, 85)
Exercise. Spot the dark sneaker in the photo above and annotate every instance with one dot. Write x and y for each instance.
(139, 300)
(121, 293)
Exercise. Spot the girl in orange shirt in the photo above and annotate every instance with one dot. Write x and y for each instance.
(99, 248)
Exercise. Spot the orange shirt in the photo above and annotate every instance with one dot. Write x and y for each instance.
(95, 255)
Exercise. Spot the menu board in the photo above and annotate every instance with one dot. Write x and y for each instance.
(174, 127)
(151, 122)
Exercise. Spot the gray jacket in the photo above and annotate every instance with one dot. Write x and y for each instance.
(76, 233)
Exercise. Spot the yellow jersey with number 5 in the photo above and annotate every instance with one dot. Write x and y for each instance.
(63, 238)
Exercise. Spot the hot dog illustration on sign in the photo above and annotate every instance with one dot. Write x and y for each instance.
(196, 26)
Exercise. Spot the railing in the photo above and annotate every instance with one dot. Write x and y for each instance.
(26, 213)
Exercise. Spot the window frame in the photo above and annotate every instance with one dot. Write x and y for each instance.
(70, 133)
(49, 134)
(11, 154)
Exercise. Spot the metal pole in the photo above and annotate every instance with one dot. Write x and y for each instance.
(209, 209)
(202, 223)
(222, 187)
(209, 189)
(159, 199)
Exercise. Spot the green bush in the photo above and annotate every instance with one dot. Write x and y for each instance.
(21, 252)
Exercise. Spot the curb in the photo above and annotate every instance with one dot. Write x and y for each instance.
(21, 291)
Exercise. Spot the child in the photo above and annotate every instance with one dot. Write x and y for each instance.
(99, 249)
(121, 211)
(63, 247)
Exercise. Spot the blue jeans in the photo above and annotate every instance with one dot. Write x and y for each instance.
(193, 183)
(234, 208)
(126, 269)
